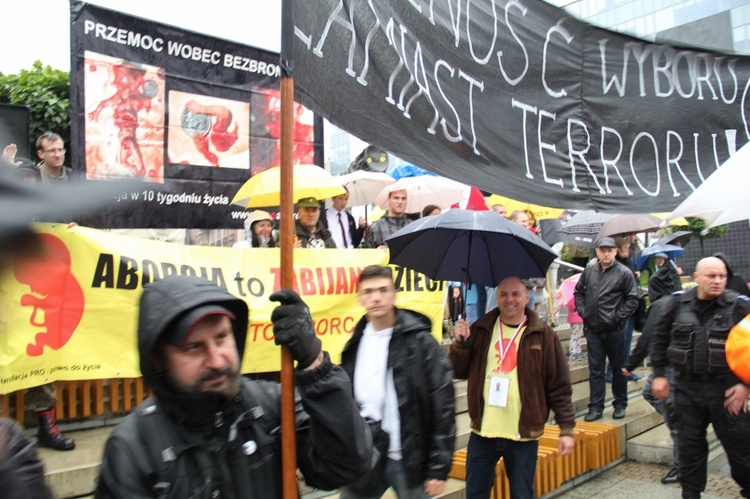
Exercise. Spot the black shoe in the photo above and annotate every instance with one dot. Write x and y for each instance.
(619, 413)
(671, 477)
(49, 435)
(593, 415)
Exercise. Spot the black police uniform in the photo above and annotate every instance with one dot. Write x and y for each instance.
(691, 335)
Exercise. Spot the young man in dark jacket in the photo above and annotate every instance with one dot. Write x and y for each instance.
(208, 432)
(516, 372)
(402, 378)
(606, 296)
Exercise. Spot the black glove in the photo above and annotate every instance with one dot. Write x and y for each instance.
(293, 327)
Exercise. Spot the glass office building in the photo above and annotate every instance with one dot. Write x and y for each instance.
(714, 24)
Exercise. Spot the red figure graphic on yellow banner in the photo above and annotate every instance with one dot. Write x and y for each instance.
(511, 359)
(56, 297)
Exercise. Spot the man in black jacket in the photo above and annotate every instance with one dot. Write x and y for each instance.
(208, 432)
(606, 296)
(403, 379)
(690, 334)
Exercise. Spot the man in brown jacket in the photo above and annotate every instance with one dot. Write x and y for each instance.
(505, 346)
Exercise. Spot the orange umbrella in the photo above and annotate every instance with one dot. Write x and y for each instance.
(738, 349)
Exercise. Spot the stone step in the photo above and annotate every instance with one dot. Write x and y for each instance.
(655, 447)
(75, 473)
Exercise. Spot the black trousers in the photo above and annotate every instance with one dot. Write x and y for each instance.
(700, 403)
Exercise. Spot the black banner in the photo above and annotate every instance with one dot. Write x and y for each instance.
(194, 113)
(518, 98)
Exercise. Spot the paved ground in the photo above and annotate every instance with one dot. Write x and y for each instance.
(642, 481)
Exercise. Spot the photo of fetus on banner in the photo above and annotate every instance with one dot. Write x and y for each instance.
(208, 131)
(124, 119)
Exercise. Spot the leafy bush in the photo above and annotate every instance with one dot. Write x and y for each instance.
(46, 92)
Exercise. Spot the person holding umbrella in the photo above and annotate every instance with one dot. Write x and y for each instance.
(665, 280)
(259, 230)
(308, 230)
(394, 219)
(341, 224)
(505, 346)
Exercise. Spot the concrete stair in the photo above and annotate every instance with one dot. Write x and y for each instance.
(643, 438)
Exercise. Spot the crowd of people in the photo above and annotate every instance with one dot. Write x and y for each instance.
(385, 417)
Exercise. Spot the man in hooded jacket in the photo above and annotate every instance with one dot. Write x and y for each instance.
(402, 378)
(207, 431)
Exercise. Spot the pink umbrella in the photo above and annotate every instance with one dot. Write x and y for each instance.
(565, 297)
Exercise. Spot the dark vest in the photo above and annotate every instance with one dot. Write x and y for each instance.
(696, 349)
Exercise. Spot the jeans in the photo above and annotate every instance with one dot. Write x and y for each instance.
(667, 409)
(603, 345)
(700, 403)
(482, 457)
(627, 343)
(394, 477)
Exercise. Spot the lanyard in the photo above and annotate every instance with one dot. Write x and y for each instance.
(504, 352)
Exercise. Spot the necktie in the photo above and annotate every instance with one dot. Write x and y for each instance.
(343, 232)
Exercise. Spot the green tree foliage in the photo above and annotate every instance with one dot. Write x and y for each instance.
(697, 226)
(46, 92)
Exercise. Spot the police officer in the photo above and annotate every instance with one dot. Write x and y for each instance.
(690, 333)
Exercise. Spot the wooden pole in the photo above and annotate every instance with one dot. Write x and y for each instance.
(288, 427)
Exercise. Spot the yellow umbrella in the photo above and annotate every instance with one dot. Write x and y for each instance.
(309, 181)
(540, 212)
(675, 221)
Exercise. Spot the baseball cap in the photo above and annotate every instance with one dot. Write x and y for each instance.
(606, 242)
(662, 255)
(308, 203)
(177, 334)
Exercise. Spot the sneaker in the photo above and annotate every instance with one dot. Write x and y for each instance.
(593, 415)
(672, 477)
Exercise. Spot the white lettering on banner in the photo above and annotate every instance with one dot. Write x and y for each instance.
(122, 36)
(197, 54)
(425, 84)
(517, 80)
(703, 72)
(610, 163)
(557, 29)
(251, 65)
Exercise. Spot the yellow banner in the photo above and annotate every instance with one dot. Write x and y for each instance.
(69, 307)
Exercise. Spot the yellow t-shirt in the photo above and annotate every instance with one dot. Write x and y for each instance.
(502, 397)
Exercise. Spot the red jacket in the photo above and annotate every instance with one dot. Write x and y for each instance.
(543, 373)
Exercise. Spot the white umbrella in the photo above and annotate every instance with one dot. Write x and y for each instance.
(364, 186)
(424, 190)
(723, 197)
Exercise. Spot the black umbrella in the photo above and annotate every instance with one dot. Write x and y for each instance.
(629, 223)
(477, 247)
(583, 227)
(22, 203)
(680, 238)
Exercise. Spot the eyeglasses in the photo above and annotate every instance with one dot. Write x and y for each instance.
(55, 151)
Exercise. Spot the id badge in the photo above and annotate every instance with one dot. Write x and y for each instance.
(498, 396)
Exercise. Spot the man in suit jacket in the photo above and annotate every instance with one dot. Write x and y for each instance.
(345, 234)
